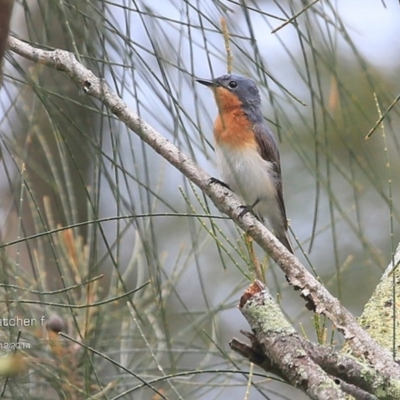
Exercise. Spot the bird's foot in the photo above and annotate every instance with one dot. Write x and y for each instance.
(218, 182)
(246, 209)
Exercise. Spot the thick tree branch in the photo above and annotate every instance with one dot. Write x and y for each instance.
(275, 345)
(379, 315)
(323, 302)
(278, 341)
(255, 355)
(6, 7)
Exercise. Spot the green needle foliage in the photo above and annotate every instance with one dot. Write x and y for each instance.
(103, 240)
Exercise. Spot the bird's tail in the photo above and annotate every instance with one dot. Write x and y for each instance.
(284, 239)
(279, 231)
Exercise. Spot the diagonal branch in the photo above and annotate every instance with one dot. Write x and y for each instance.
(321, 300)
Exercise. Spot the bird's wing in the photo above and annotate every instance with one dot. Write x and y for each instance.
(269, 151)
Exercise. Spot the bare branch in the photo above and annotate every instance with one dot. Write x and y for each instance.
(322, 301)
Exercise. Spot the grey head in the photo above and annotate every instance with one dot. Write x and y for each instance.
(243, 87)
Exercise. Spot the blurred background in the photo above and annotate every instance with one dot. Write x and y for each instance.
(81, 195)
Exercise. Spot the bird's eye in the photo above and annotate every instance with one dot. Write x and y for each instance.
(232, 84)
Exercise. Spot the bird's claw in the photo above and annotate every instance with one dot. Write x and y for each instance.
(218, 182)
(245, 210)
(249, 208)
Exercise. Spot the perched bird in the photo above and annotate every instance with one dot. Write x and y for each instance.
(247, 152)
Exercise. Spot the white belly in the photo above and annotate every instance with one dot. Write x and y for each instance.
(251, 177)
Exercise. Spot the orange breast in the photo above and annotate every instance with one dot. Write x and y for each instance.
(232, 127)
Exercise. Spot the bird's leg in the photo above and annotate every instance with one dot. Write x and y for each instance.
(249, 208)
(218, 182)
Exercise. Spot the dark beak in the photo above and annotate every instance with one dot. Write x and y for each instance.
(206, 82)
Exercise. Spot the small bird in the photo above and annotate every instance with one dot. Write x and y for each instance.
(247, 152)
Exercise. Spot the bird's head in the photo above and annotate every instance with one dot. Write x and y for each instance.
(232, 91)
